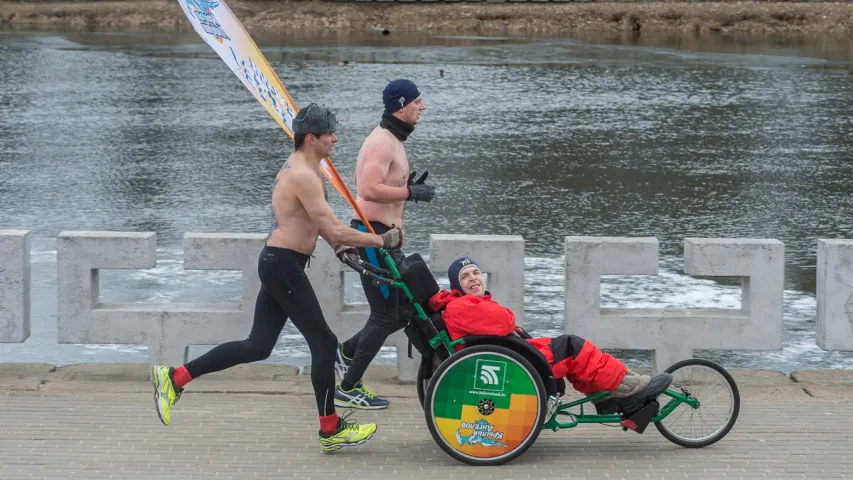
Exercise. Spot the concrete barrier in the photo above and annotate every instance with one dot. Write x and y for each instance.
(14, 286)
(167, 329)
(834, 294)
(673, 334)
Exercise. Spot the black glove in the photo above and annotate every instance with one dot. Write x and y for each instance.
(522, 333)
(346, 252)
(418, 190)
(420, 180)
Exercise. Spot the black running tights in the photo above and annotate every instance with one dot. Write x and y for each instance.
(285, 293)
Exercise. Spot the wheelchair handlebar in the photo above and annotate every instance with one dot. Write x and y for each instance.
(370, 271)
(374, 268)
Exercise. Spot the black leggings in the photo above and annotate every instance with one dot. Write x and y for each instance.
(387, 313)
(285, 293)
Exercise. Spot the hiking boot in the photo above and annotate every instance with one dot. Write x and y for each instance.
(361, 396)
(166, 394)
(608, 406)
(636, 390)
(631, 384)
(348, 434)
(342, 363)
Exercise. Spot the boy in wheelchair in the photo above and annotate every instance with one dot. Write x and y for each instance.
(468, 309)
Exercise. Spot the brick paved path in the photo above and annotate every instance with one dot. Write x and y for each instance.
(87, 427)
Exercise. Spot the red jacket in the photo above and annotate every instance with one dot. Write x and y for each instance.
(470, 315)
(589, 369)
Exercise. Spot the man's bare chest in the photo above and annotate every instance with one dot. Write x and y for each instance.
(398, 171)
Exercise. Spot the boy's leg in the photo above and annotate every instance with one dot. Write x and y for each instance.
(587, 368)
(591, 371)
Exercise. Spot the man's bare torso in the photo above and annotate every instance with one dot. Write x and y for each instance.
(292, 227)
(385, 213)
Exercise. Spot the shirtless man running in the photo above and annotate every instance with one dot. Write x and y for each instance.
(300, 212)
(384, 185)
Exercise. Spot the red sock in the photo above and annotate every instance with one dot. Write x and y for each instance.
(329, 423)
(181, 377)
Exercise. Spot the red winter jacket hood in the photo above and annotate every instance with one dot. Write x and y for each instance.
(470, 315)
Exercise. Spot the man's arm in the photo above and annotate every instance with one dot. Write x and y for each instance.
(378, 157)
(309, 189)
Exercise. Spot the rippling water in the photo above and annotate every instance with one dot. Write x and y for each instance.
(538, 137)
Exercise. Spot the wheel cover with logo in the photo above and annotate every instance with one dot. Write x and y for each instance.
(485, 405)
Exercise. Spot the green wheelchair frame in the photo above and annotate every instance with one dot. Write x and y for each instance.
(556, 409)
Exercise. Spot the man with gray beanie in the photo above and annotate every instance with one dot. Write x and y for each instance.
(300, 212)
(384, 186)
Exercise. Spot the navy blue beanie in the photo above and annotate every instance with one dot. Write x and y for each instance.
(399, 93)
(455, 269)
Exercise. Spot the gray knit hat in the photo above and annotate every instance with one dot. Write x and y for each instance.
(315, 119)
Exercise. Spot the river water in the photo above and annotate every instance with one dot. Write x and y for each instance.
(541, 137)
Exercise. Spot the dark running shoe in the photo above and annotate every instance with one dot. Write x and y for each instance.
(361, 397)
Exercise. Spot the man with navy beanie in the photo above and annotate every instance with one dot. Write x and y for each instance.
(384, 184)
(399, 93)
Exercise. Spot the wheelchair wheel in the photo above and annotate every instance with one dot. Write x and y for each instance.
(719, 404)
(485, 405)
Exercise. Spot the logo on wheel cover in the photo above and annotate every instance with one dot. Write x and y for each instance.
(480, 432)
(490, 375)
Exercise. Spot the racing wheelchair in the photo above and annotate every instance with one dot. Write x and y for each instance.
(487, 398)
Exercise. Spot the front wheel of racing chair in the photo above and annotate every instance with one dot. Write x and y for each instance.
(709, 406)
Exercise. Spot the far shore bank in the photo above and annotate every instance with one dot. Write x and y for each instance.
(471, 18)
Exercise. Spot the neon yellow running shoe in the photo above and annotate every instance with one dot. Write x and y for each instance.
(348, 434)
(166, 394)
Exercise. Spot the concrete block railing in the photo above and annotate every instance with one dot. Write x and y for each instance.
(672, 334)
(835, 294)
(167, 329)
(14, 286)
